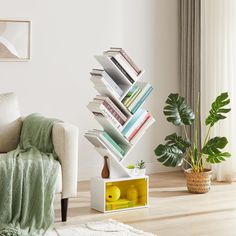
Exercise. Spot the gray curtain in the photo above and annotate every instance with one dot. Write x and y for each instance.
(190, 53)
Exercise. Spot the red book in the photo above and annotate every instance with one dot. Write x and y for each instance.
(139, 127)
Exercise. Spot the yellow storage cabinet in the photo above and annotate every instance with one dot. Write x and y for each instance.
(108, 195)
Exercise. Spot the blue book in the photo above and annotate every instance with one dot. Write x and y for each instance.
(141, 101)
(133, 121)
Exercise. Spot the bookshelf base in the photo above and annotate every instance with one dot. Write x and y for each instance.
(127, 193)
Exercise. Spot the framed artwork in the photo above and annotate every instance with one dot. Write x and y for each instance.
(15, 40)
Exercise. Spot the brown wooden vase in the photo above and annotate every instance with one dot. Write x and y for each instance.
(105, 170)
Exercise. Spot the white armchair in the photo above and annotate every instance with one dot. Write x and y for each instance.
(65, 140)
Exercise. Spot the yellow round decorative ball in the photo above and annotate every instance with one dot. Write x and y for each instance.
(112, 193)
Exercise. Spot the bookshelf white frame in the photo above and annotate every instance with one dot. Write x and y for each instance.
(118, 169)
(118, 172)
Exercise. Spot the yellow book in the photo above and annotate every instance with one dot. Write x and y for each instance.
(119, 204)
(133, 97)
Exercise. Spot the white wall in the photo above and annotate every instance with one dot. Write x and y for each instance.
(66, 35)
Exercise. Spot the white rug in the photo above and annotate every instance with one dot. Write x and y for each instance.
(99, 228)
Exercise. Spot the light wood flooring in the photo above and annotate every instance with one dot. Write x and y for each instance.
(172, 211)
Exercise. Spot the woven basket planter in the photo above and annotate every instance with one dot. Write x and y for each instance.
(198, 182)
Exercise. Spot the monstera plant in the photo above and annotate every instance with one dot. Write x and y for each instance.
(179, 149)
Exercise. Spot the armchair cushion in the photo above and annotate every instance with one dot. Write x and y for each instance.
(10, 122)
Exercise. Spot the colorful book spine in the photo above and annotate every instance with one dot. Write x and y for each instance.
(142, 100)
(135, 95)
(144, 86)
(134, 119)
(113, 143)
(139, 127)
(142, 130)
(129, 94)
(136, 124)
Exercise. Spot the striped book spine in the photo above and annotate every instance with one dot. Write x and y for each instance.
(139, 127)
(113, 112)
(142, 100)
(114, 107)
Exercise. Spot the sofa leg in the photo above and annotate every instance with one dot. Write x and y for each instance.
(64, 208)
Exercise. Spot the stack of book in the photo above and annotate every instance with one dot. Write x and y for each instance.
(135, 128)
(102, 139)
(119, 204)
(103, 106)
(137, 96)
(104, 84)
(125, 64)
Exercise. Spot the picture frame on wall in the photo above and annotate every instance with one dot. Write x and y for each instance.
(15, 40)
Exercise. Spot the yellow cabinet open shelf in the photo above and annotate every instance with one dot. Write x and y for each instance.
(124, 193)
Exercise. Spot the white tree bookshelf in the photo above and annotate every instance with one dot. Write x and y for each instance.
(119, 174)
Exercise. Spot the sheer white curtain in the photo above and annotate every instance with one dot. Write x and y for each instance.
(218, 48)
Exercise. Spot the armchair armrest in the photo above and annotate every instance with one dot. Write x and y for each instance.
(65, 140)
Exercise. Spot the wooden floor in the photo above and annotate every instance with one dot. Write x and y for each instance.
(172, 211)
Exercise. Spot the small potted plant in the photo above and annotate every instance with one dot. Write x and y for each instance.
(180, 149)
(141, 168)
(131, 169)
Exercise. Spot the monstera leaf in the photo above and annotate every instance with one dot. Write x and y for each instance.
(177, 111)
(217, 109)
(212, 149)
(170, 156)
(178, 141)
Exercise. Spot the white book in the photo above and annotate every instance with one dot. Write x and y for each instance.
(122, 61)
(100, 134)
(107, 80)
(105, 88)
(106, 91)
(116, 74)
(99, 143)
(137, 99)
(98, 107)
(142, 130)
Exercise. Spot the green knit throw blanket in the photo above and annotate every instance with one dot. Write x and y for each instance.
(28, 180)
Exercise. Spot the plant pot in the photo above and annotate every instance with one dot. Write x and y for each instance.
(198, 182)
(131, 171)
(142, 171)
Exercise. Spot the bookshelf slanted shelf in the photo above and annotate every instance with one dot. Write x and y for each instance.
(118, 110)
